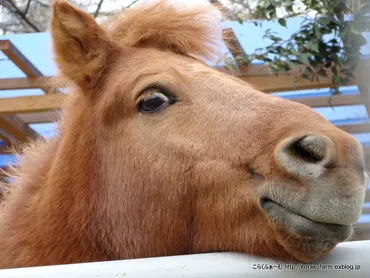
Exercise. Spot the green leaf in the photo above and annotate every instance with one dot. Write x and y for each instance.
(360, 40)
(313, 46)
(282, 22)
(303, 58)
(289, 9)
(307, 47)
(240, 18)
(275, 38)
(291, 65)
(324, 20)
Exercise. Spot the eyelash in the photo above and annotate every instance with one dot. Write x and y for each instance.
(156, 87)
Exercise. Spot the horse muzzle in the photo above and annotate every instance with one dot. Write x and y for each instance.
(323, 197)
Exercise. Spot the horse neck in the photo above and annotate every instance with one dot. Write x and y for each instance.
(53, 210)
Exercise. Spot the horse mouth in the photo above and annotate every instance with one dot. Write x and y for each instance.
(303, 226)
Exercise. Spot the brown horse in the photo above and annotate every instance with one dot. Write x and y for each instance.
(159, 154)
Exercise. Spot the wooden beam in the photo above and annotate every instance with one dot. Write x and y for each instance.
(5, 139)
(16, 130)
(254, 70)
(19, 59)
(366, 211)
(355, 128)
(4, 150)
(363, 82)
(40, 117)
(262, 79)
(285, 82)
(11, 125)
(23, 83)
(362, 226)
(362, 232)
(367, 197)
(337, 100)
(31, 104)
(367, 159)
(263, 69)
(233, 44)
(264, 83)
(258, 76)
(224, 11)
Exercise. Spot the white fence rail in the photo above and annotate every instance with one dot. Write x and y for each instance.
(350, 259)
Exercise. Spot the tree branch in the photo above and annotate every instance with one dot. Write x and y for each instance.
(13, 30)
(225, 12)
(11, 24)
(42, 4)
(98, 8)
(133, 2)
(20, 14)
(27, 7)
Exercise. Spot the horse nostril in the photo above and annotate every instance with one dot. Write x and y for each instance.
(305, 156)
(310, 149)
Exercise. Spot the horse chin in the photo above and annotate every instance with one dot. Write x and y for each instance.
(305, 249)
(303, 238)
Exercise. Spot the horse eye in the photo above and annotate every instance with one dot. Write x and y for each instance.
(154, 101)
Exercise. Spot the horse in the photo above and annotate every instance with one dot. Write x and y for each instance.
(159, 154)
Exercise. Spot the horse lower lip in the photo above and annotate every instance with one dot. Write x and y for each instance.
(303, 226)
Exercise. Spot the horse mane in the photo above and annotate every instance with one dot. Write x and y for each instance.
(29, 157)
(192, 31)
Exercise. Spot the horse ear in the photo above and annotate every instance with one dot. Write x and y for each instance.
(80, 45)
